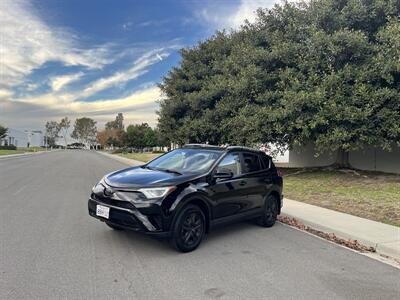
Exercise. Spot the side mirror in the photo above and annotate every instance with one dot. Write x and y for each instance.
(223, 174)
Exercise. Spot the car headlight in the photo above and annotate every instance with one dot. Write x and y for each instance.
(159, 192)
(98, 188)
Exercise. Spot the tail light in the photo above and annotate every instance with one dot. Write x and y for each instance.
(280, 174)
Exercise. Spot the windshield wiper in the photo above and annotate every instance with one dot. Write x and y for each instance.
(147, 167)
(166, 170)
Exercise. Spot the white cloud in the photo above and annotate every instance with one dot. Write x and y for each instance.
(4, 93)
(138, 68)
(138, 98)
(31, 86)
(27, 43)
(127, 25)
(247, 9)
(222, 18)
(139, 106)
(57, 83)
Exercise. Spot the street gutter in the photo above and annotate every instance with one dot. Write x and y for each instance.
(384, 238)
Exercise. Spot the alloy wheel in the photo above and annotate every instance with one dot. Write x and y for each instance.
(192, 229)
(271, 211)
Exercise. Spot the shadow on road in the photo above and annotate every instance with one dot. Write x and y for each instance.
(139, 242)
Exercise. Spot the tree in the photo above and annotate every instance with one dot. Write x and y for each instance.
(109, 137)
(321, 71)
(85, 131)
(102, 138)
(3, 132)
(64, 125)
(118, 123)
(52, 131)
(115, 130)
(140, 136)
(160, 139)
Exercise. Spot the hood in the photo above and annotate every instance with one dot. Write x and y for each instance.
(138, 177)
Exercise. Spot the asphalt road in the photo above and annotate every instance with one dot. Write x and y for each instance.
(51, 249)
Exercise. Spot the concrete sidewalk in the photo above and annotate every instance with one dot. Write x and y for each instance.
(128, 161)
(385, 238)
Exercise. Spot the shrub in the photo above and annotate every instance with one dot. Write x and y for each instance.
(8, 147)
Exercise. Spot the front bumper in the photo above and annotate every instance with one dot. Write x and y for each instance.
(129, 218)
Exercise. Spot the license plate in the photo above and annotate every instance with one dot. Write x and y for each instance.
(102, 211)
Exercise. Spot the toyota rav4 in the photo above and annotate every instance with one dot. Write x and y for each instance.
(181, 195)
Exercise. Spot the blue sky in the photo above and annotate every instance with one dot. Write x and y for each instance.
(96, 58)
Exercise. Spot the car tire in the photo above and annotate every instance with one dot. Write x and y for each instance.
(115, 227)
(188, 229)
(270, 213)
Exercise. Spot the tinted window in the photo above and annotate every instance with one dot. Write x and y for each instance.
(186, 160)
(231, 162)
(266, 162)
(251, 163)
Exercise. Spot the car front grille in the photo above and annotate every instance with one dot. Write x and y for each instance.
(110, 201)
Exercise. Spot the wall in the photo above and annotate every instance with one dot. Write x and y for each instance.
(278, 157)
(301, 157)
(370, 159)
(373, 159)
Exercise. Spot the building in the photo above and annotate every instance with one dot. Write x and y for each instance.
(26, 138)
(35, 138)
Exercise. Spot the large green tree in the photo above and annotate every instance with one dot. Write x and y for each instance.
(321, 71)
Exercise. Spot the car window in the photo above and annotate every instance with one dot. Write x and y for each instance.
(251, 163)
(266, 162)
(230, 162)
(186, 160)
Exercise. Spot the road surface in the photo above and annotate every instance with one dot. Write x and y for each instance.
(51, 248)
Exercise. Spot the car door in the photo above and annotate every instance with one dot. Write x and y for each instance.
(229, 195)
(254, 176)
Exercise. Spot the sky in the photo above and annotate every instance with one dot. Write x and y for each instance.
(96, 58)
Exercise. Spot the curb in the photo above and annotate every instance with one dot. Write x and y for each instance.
(128, 161)
(389, 248)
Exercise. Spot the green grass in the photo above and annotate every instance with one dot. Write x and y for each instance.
(145, 156)
(21, 150)
(371, 195)
(8, 152)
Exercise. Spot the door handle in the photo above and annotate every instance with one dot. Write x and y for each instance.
(242, 182)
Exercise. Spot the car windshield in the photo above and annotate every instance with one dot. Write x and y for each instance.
(186, 160)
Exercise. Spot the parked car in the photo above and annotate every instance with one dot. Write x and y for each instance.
(184, 193)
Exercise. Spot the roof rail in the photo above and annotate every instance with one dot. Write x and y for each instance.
(228, 148)
(243, 148)
(202, 146)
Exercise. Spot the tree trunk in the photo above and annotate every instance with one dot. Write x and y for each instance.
(342, 159)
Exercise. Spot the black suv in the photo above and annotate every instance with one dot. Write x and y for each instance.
(182, 194)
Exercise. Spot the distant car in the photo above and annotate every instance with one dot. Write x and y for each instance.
(184, 193)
